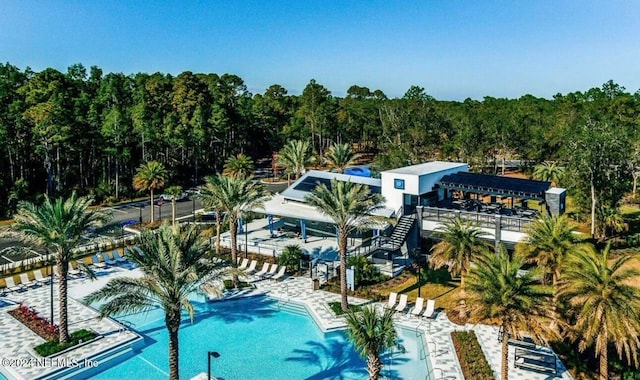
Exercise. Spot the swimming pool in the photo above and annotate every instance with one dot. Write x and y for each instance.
(258, 338)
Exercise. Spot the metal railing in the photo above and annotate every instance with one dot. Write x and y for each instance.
(507, 223)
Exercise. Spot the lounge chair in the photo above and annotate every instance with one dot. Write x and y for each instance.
(431, 308)
(271, 272)
(11, 285)
(73, 272)
(118, 258)
(280, 273)
(105, 257)
(417, 308)
(37, 274)
(245, 263)
(95, 261)
(403, 302)
(252, 267)
(24, 279)
(263, 271)
(393, 296)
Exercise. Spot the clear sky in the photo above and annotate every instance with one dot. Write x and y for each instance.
(454, 49)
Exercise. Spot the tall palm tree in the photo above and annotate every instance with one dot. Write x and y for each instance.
(173, 267)
(340, 157)
(150, 176)
(371, 334)
(58, 225)
(460, 242)
(498, 290)
(239, 165)
(350, 206)
(293, 157)
(174, 192)
(605, 299)
(549, 239)
(236, 196)
(211, 201)
(549, 171)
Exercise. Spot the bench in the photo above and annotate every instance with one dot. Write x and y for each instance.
(535, 360)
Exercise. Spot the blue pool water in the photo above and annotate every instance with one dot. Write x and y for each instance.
(258, 339)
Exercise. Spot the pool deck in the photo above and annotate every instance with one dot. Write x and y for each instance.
(17, 341)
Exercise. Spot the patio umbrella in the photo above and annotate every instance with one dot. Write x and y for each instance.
(270, 220)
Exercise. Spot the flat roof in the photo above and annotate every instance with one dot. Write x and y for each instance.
(492, 184)
(303, 186)
(426, 168)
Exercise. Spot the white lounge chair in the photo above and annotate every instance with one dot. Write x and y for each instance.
(417, 308)
(280, 273)
(271, 272)
(393, 297)
(95, 261)
(431, 308)
(118, 258)
(12, 286)
(263, 271)
(24, 279)
(107, 259)
(403, 302)
(73, 272)
(37, 274)
(252, 267)
(245, 263)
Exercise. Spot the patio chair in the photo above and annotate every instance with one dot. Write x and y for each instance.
(271, 272)
(95, 261)
(37, 274)
(24, 279)
(263, 271)
(252, 267)
(417, 308)
(107, 259)
(393, 296)
(280, 273)
(245, 263)
(74, 272)
(12, 286)
(431, 308)
(118, 258)
(403, 302)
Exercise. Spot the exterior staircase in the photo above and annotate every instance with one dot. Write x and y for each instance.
(399, 234)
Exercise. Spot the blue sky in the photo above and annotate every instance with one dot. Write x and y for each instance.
(454, 49)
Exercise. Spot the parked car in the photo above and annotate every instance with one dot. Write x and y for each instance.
(179, 198)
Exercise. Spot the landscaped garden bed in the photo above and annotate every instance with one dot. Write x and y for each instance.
(472, 360)
(336, 308)
(53, 346)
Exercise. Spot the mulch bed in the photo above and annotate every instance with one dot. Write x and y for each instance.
(29, 317)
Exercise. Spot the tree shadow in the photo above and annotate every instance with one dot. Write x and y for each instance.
(238, 310)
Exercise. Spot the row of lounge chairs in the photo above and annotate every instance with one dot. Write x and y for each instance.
(419, 309)
(100, 260)
(268, 270)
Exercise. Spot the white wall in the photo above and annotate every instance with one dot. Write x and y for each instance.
(394, 196)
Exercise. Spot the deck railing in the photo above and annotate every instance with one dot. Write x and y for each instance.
(507, 223)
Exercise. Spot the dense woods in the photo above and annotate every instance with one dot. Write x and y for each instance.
(88, 131)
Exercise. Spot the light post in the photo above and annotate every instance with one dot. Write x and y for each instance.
(246, 238)
(209, 355)
(193, 208)
(141, 207)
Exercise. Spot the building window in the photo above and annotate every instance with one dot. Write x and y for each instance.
(398, 183)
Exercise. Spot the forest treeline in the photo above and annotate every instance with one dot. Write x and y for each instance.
(88, 131)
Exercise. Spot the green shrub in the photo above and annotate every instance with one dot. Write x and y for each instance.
(290, 257)
(472, 360)
(53, 346)
(228, 284)
(336, 307)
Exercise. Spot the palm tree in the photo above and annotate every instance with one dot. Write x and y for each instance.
(58, 225)
(499, 290)
(150, 176)
(605, 298)
(236, 196)
(350, 206)
(461, 241)
(173, 267)
(340, 157)
(371, 334)
(174, 192)
(611, 222)
(239, 165)
(548, 171)
(549, 239)
(211, 201)
(293, 157)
